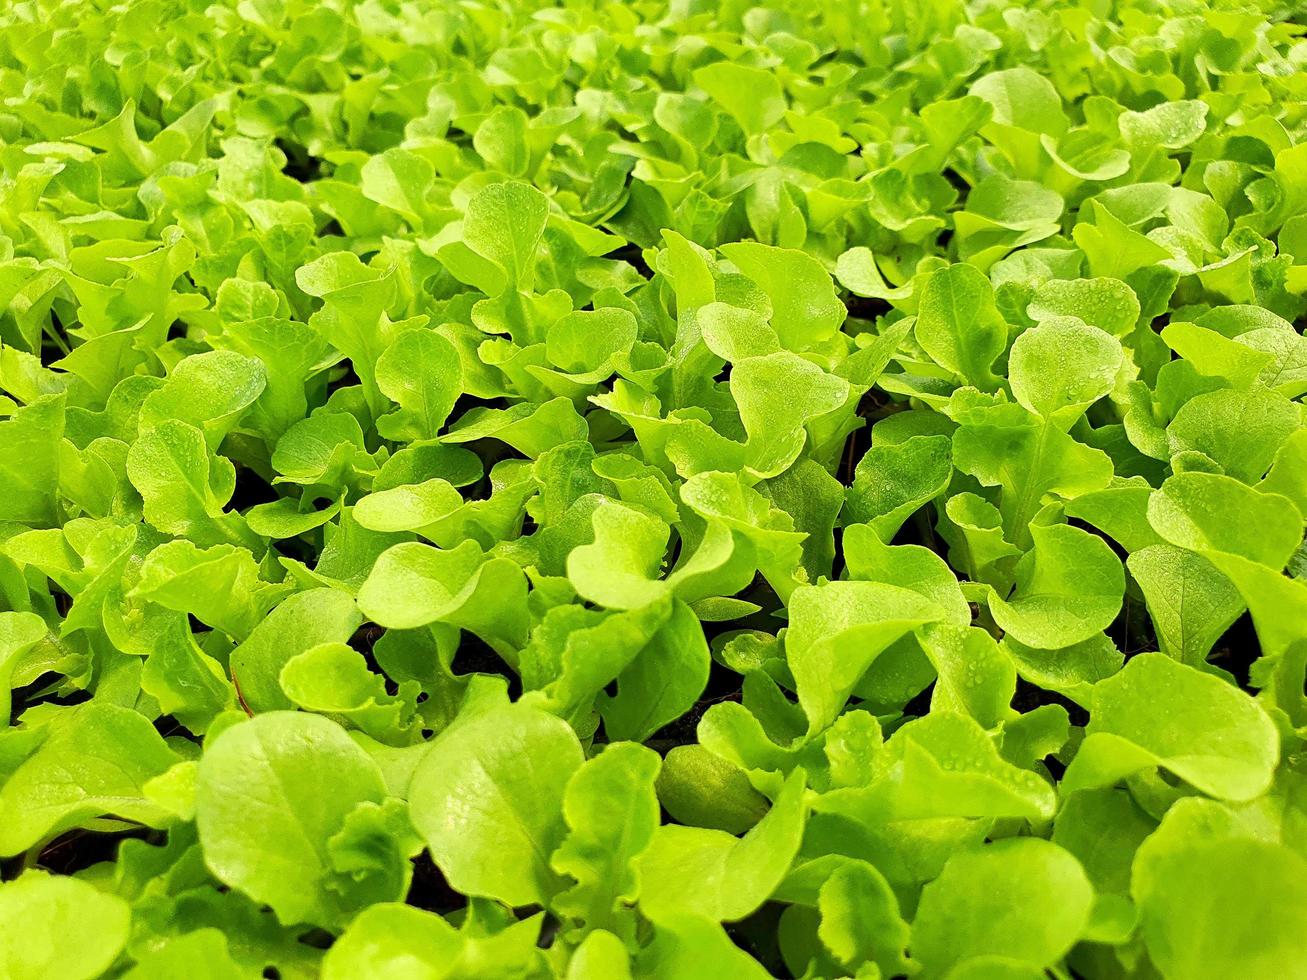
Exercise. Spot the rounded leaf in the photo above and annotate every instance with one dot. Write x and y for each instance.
(55, 928)
(488, 800)
(1021, 898)
(1060, 368)
(271, 793)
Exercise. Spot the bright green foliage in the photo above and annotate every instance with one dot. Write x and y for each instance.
(1156, 712)
(1016, 901)
(653, 491)
(268, 830)
(1205, 873)
(491, 820)
(59, 927)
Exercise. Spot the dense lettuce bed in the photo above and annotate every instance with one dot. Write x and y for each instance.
(653, 490)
